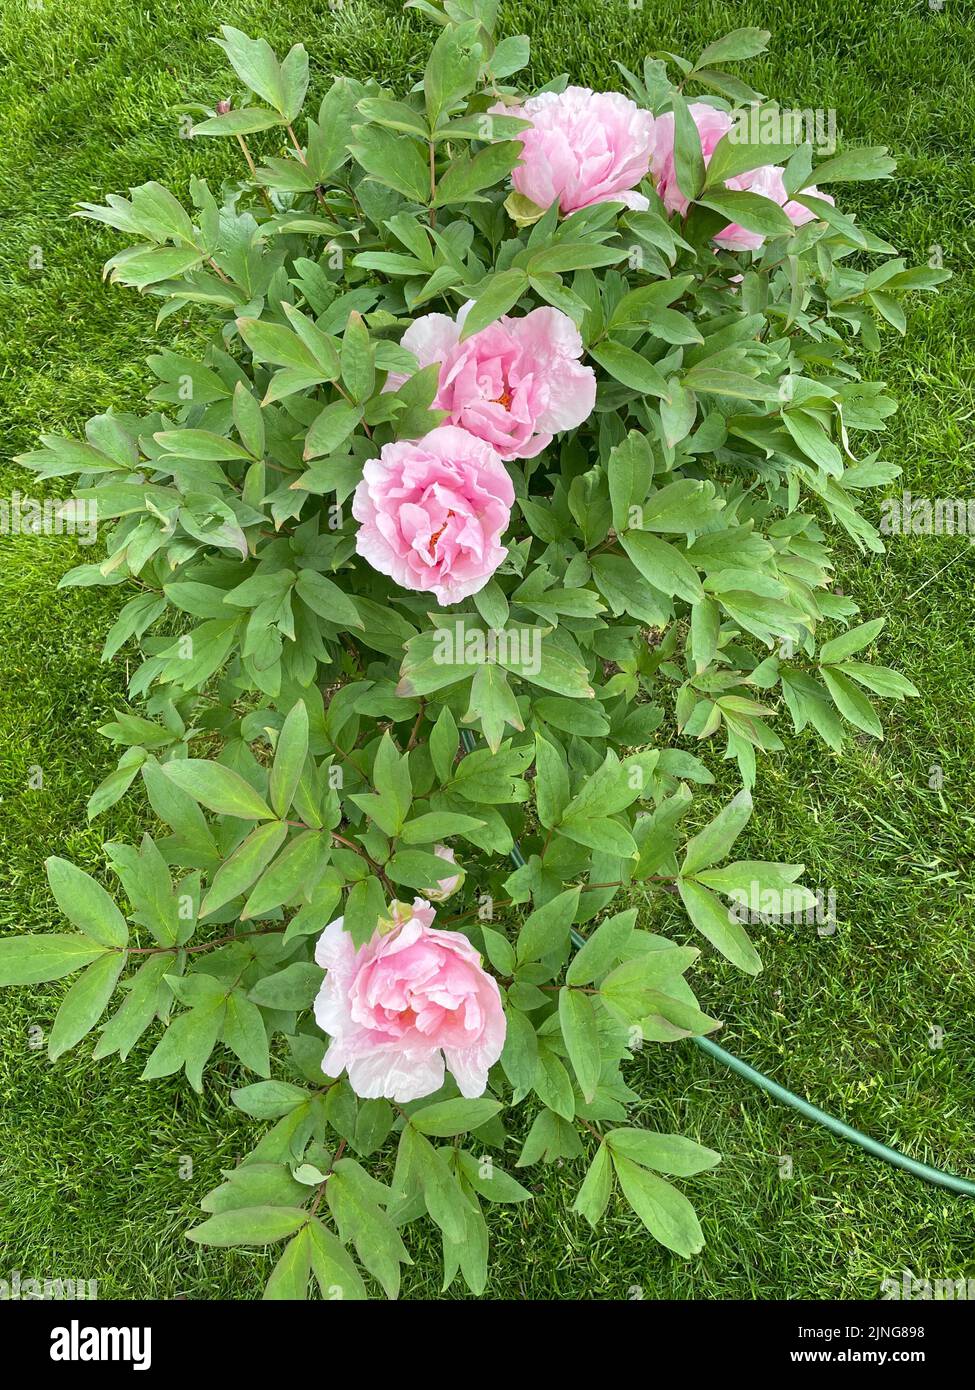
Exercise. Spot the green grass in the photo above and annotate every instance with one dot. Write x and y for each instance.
(92, 1160)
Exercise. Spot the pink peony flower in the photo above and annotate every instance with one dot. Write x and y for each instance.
(584, 147)
(432, 513)
(514, 384)
(405, 1004)
(450, 884)
(765, 180)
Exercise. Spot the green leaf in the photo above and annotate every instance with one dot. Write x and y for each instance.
(494, 298)
(716, 839)
(594, 1194)
(814, 442)
(331, 428)
(547, 928)
(733, 156)
(716, 922)
(268, 1100)
(393, 159)
(281, 85)
(444, 743)
(138, 1009)
(851, 702)
(246, 121)
(492, 702)
(465, 177)
(551, 782)
(188, 1042)
(295, 871)
(519, 1057)
(666, 1153)
(746, 874)
(358, 359)
(452, 70)
(666, 1213)
(442, 1193)
(85, 1002)
(245, 1034)
(881, 680)
(849, 642)
(649, 983)
(417, 869)
(630, 368)
(391, 778)
(663, 565)
(249, 1226)
(289, 758)
(638, 306)
(446, 1118)
(350, 1196)
(688, 159)
(294, 987)
(495, 1184)
(751, 211)
(333, 1266)
(868, 162)
(580, 1031)
(603, 948)
(734, 47)
(553, 1085)
(272, 342)
(289, 1278)
(85, 903)
(435, 826)
(245, 865)
(218, 788)
(363, 907)
(325, 598)
(499, 950)
(606, 836)
(249, 421)
(255, 1185)
(681, 507)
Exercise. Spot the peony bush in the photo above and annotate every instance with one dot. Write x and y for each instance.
(495, 509)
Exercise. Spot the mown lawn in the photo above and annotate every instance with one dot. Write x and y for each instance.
(94, 1170)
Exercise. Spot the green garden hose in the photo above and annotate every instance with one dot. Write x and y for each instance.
(772, 1088)
(845, 1131)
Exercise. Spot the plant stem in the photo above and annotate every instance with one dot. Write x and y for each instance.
(253, 168)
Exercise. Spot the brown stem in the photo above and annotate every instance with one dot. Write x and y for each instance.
(253, 168)
(415, 732)
(363, 854)
(301, 155)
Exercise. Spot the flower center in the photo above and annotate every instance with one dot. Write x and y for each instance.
(504, 399)
(437, 534)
